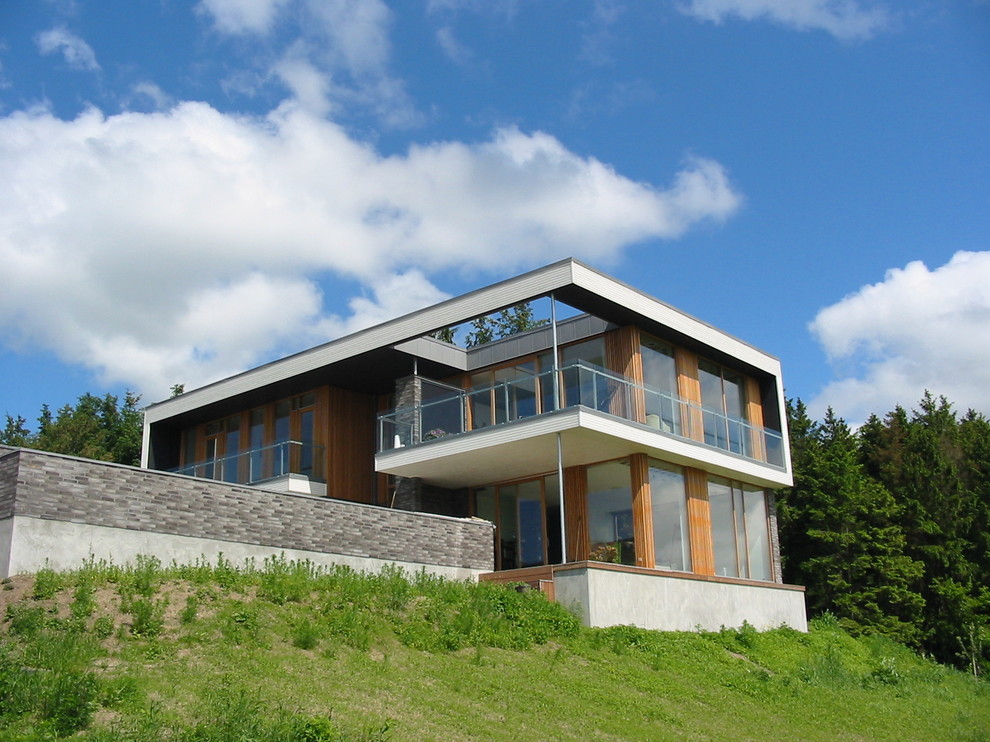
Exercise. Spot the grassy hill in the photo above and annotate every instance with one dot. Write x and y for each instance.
(286, 652)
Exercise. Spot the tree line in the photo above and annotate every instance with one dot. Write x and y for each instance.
(888, 526)
(102, 428)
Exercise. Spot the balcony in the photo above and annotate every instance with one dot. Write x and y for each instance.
(290, 466)
(454, 414)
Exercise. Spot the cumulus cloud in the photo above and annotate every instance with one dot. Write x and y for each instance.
(242, 17)
(847, 20)
(151, 93)
(186, 245)
(917, 329)
(77, 53)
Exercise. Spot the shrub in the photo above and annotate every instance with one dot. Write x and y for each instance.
(46, 584)
(83, 600)
(305, 635)
(68, 702)
(25, 620)
(103, 627)
(147, 616)
(285, 581)
(188, 614)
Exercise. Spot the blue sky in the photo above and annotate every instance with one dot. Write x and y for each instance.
(191, 189)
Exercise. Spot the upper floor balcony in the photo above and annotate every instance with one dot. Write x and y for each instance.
(662, 419)
(291, 466)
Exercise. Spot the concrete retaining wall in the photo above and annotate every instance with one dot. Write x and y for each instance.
(604, 596)
(62, 508)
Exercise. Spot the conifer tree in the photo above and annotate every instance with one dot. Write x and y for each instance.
(842, 532)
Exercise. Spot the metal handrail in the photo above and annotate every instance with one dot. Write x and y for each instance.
(257, 464)
(609, 392)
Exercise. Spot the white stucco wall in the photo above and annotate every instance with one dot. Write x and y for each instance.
(604, 597)
(28, 544)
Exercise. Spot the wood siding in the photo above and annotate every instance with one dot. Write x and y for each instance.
(699, 522)
(754, 414)
(350, 436)
(622, 355)
(642, 507)
(576, 512)
(689, 388)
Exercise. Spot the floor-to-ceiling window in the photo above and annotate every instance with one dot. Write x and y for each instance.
(660, 380)
(722, 393)
(670, 527)
(526, 515)
(610, 518)
(740, 530)
(255, 445)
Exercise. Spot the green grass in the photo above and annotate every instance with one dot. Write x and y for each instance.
(286, 651)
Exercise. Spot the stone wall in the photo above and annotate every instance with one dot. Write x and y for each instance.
(72, 490)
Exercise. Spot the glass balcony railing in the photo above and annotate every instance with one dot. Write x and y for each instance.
(260, 464)
(581, 384)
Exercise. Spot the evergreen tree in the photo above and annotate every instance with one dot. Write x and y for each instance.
(840, 529)
(15, 432)
(936, 467)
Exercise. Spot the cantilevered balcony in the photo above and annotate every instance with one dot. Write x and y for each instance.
(590, 397)
(287, 465)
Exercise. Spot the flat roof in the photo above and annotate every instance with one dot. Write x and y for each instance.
(371, 356)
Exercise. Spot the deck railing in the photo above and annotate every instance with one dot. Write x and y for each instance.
(580, 384)
(260, 464)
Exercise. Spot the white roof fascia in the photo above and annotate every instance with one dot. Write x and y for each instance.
(446, 314)
(656, 310)
(405, 329)
(436, 350)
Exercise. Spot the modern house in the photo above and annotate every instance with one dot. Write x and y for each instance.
(624, 451)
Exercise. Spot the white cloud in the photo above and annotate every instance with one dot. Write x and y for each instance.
(76, 52)
(918, 329)
(456, 51)
(845, 19)
(150, 92)
(338, 51)
(242, 17)
(186, 245)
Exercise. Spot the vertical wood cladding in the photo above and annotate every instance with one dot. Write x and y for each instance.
(754, 414)
(350, 436)
(689, 388)
(622, 355)
(576, 512)
(699, 522)
(642, 507)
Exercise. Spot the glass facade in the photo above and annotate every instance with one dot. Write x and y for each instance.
(740, 530)
(610, 517)
(526, 515)
(670, 526)
(722, 391)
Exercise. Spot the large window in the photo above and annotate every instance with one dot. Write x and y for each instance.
(582, 385)
(740, 530)
(660, 380)
(670, 528)
(722, 394)
(258, 444)
(527, 521)
(521, 390)
(610, 519)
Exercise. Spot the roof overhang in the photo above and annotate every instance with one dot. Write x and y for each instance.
(366, 360)
(526, 447)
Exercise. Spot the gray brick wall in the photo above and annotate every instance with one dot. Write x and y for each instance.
(64, 488)
(8, 480)
(778, 572)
